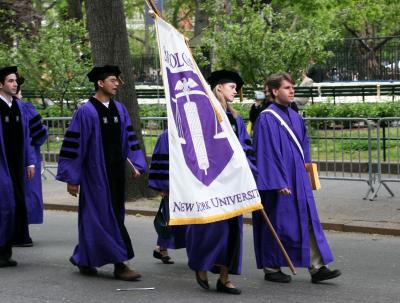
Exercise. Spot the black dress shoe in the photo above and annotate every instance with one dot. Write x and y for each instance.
(164, 259)
(8, 263)
(324, 273)
(84, 270)
(27, 244)
(203, 283)
(221, 287)
(278, 276)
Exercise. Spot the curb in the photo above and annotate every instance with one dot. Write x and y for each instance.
(327, 226)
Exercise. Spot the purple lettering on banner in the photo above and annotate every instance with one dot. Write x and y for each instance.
(204, 144)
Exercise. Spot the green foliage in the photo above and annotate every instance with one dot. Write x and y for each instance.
(354, 110)
(54, 111)
(51, 61)
(258, 40)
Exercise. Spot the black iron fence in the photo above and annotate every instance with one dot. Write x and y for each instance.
(363, 59)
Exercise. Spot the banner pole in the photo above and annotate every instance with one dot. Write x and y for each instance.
(275, 235)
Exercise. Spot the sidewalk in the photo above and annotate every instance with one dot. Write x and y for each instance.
(339, 203)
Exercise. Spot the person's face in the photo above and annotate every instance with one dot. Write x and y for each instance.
(10, 85)
(285, 93)
(109, 85)
(228, 90)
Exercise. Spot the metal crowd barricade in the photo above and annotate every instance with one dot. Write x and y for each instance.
(152, 127)
(56, 128)
(348, 149)
(388, 136)
(342, 149)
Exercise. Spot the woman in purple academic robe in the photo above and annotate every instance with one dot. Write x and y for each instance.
(16, 160)
(33, 188)
(286, 192)
(94, 153)
(159, 180)
(217, 247)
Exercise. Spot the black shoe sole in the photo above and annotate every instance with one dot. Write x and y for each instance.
(334, 275)
(282, 279)
(203, 283)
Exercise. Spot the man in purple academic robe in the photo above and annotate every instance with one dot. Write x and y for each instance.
(96, 147)
(33, 188)
(286, 191)
(17, 162)
(159, 180)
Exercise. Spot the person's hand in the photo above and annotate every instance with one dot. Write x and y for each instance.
(30, 173)
(135, 173)
(284, 191)
(73, 189)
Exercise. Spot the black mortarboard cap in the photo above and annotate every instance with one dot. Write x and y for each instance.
(102, 72)
(225, 76)
(5, 71)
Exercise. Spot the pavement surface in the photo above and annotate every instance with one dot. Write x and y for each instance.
(340, 204)
(370, 265)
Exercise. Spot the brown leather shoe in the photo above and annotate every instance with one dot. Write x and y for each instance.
(124, 273)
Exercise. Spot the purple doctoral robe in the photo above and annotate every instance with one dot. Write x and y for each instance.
(220, 243)
(82, 162)
(159, 180)
(280, 165)
(7, 198)
(33, 189)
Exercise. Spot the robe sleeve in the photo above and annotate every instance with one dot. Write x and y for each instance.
(37, 131)
(245, 141)
(270, 163)
(29, 151)
(305, 144)
(73, 149)
(159, 166)
(134, 153)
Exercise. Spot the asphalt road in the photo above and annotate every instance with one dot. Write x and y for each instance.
(370, 266)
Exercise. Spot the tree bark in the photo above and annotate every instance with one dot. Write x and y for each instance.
(109, 45)
(75, 10)
(201, 18)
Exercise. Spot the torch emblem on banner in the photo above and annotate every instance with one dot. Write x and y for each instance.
(193, 118)
(200, 134)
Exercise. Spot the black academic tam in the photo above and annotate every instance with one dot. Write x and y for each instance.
(102, 72)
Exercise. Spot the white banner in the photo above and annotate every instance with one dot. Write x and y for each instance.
(209, 176)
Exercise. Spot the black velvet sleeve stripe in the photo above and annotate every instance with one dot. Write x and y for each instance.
(34, 120)
(160, 157)
(135, 147)
(71, 134)
(253, 162)
(250, 152)
(247, 142)
(159, 166)
(68, 154)
(158, 176)
(35, 128)
(70, 144)
(38, 136)
(132, 138)
(129, 128)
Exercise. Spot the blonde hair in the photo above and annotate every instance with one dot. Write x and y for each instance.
(220, 97)
(218, 94)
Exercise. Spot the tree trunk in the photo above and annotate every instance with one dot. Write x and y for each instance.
(75, 9)
(109, 45)
(201, 18)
